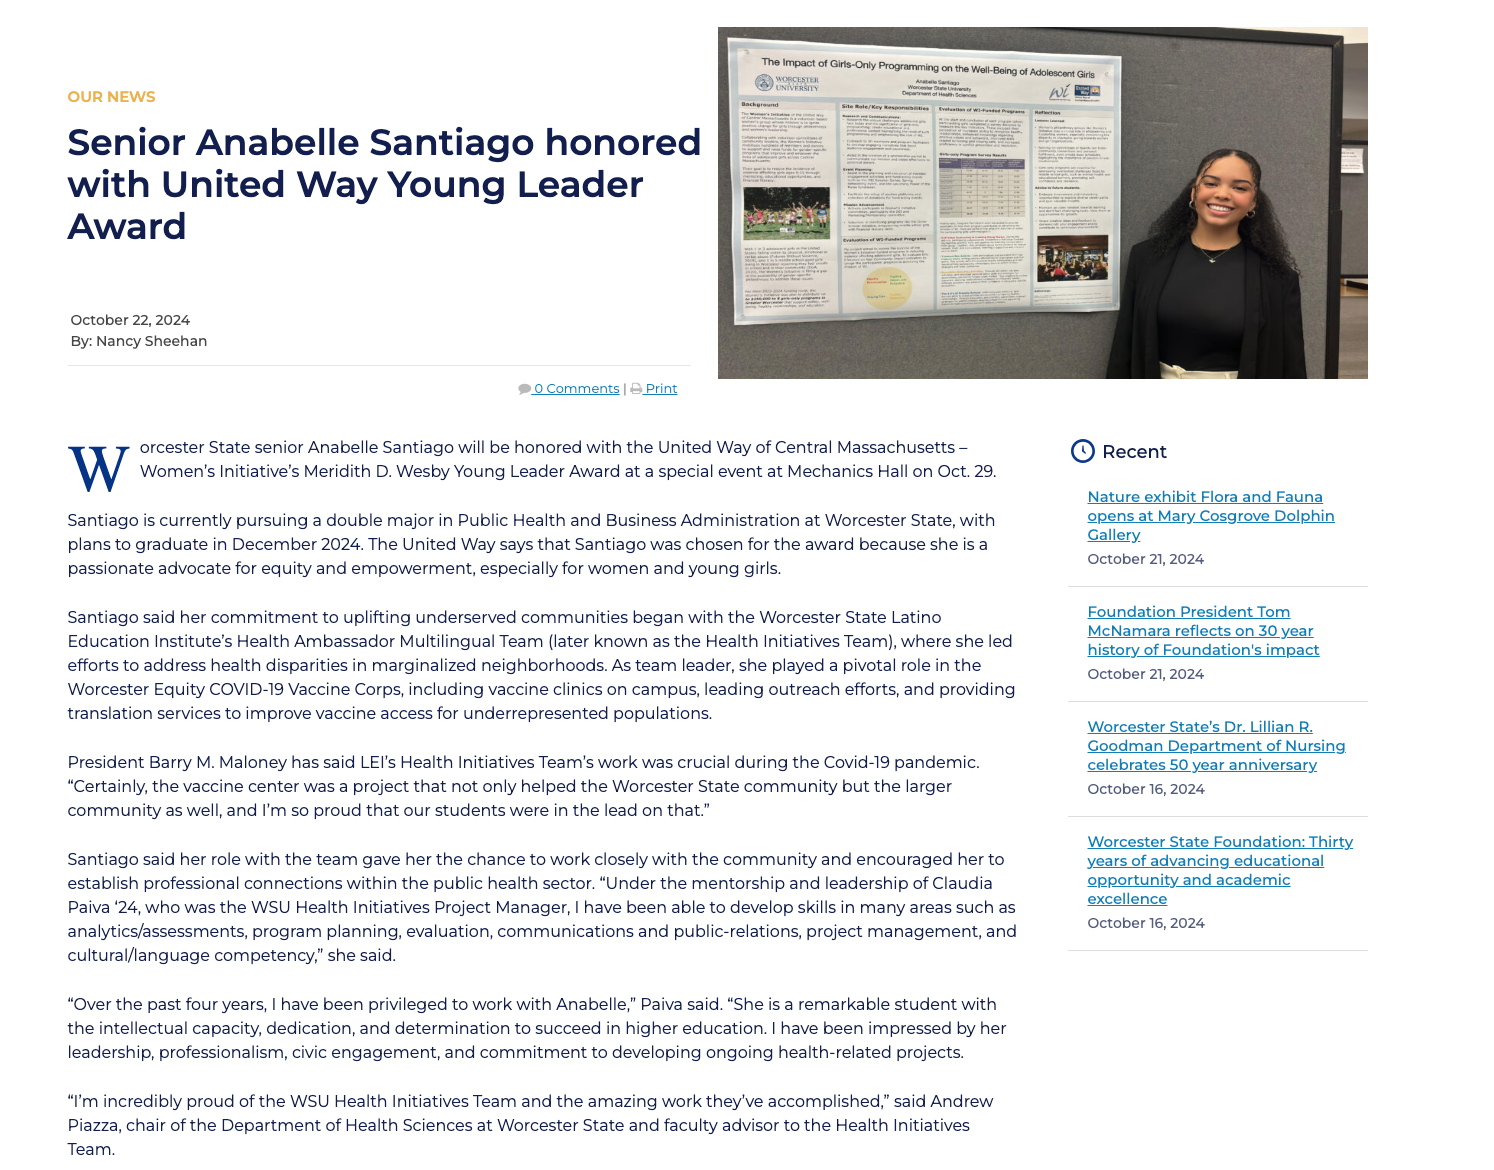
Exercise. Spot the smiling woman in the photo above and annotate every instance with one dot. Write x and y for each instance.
(1213, 292)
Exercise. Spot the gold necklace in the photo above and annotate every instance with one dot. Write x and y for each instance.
(1212, 259)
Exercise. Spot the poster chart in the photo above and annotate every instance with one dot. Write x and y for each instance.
(880, 182)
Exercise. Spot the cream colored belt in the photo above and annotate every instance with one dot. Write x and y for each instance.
(1179, 372)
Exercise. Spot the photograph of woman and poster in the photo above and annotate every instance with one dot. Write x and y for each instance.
(785, 213)
(1073, 258)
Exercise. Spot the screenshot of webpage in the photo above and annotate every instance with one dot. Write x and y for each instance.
(447, 723)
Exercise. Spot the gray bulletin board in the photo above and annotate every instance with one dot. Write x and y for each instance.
(1355, 260)
(1183, 94)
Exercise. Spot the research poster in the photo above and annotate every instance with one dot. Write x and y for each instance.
(874, 182)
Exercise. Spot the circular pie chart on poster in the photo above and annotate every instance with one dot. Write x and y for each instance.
(887, 288)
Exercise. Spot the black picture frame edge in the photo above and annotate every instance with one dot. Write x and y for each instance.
(1346, 277)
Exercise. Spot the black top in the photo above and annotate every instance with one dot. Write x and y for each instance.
(1271, 344)
(1201, 316)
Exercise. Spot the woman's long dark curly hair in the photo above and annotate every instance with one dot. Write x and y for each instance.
(1260, 231)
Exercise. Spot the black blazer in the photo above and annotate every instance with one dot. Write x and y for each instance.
(1272, 345)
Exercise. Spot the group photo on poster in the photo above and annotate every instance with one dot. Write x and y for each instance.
(777, 213)
(1073, 258)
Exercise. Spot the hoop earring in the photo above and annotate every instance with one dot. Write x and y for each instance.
(1250, 214)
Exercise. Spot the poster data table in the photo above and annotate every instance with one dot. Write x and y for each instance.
(971, 187)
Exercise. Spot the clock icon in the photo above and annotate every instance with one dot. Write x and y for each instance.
(1082, 450)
